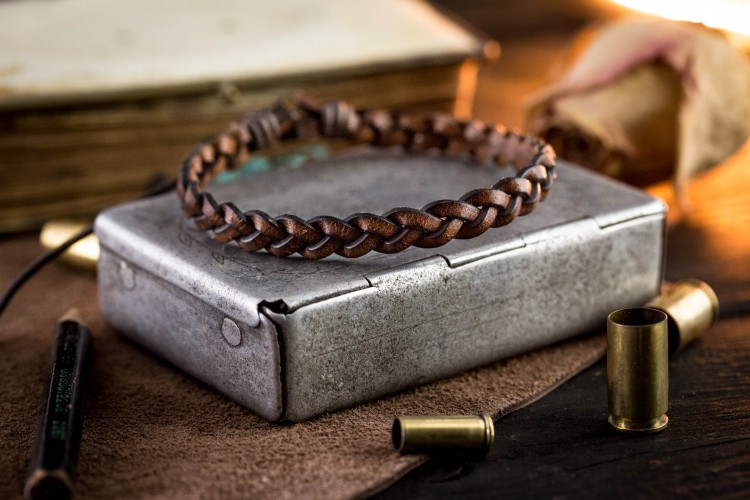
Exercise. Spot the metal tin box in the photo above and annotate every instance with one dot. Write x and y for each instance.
(291, 339)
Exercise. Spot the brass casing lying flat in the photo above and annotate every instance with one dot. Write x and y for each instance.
(691, 307)
(474, 434)
(82, 254)
(637, 370)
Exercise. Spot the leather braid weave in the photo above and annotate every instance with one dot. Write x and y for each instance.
(433, 225)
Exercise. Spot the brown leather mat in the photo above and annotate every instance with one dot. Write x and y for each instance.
(152, 432)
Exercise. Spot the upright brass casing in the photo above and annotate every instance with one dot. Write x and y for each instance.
(691, 307)
(472, 434)
(637, 370)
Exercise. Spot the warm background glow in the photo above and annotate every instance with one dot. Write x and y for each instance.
(731, 15)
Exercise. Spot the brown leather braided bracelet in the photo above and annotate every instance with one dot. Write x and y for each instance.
(434, 225)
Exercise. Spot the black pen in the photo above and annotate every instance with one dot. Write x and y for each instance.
(59, 433)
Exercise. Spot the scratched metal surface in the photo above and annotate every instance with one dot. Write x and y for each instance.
(153, 234)
(345, 331)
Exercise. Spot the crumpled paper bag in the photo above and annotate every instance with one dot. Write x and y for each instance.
(647, 100)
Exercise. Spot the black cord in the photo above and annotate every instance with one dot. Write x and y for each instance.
(49, 256)
(39, 263)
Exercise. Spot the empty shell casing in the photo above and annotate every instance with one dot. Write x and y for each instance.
(691, 307)
(82, 254)
(471, 434)
(637, 370)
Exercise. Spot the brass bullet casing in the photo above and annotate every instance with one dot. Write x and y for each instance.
(468, 434)
(691, 307)
(82, 254)
(637, 370)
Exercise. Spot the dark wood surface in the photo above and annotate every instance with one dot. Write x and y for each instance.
(561, 446)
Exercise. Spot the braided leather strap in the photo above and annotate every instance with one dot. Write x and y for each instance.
(433, 225)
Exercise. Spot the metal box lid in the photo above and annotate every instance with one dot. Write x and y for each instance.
(153, 234)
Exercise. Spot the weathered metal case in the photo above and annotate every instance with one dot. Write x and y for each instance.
(290, 338)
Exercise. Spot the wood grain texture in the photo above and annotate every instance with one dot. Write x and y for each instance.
(562, 446)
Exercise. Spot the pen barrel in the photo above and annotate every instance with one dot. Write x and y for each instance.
(59, 435)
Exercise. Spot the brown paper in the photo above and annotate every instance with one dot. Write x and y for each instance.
(645, 101)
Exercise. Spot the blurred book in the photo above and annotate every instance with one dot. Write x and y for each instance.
(97, 98)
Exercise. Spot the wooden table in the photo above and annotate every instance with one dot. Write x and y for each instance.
(562, 446)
